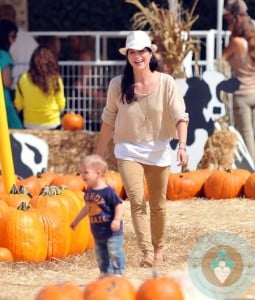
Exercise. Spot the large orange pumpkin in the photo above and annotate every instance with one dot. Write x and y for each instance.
(225, 184)
(185, 185)
(57, 232)
(72, 121)
(23, 234)
(110, 288)
(163, 288)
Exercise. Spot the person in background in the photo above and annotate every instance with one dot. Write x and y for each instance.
(104, 208)
(143, 112)
(240, 54)
(40, 92)
(88, 90)
(53, 43)
(22, 48)
(8, 31)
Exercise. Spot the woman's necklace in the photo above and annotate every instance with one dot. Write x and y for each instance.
(144, 92)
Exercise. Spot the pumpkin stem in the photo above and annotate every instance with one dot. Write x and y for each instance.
(22, 206)
(154, 273)
(14, 189)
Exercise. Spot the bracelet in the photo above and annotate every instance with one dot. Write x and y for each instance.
(182, 148)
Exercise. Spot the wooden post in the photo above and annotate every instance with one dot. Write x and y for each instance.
(6, 158)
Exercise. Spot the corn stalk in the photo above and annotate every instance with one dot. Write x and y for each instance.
(169, 29)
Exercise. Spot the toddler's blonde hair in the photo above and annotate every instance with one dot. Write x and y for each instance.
(96, 161)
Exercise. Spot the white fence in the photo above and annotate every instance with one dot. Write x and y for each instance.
(86, 91)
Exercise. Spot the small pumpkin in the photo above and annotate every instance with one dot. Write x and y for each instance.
(62, 291)
(16, 196)
(159, 288)
(109, 288)
(5, 255)
(72, 121)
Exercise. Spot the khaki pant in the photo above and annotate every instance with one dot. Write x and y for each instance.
(244, 119)
(150, 231)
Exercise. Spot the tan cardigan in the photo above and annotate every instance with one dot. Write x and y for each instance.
(152, 117)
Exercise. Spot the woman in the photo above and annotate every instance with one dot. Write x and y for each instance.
(144, 111)
(240, 54)
(40, 92)
(8, 32)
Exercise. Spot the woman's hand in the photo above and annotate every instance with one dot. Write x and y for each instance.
(182, 156)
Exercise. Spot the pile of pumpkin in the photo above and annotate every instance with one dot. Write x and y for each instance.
(35, 215)
(114, 288)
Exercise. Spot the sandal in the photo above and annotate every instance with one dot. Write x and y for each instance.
(147, 261)
(159, 258)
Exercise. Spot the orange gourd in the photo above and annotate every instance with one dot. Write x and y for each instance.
(186, 185)
(249, 186)
(109, 288)
(57, 232)
(5, 255)
(23, 234)
(16, 196)
(72, 121)
(72, 181)
(224, 184)
(162, 288)
(62, 291)
(114, 180)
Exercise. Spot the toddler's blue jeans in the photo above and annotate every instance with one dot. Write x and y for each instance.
(110, 255)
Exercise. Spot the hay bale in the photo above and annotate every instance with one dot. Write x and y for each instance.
(219, 150)
(67, 147)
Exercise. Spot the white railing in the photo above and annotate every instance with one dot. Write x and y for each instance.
(86, 93)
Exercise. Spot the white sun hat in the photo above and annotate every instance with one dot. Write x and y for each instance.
(138, 40)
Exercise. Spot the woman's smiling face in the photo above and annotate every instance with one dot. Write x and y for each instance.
(139, 58)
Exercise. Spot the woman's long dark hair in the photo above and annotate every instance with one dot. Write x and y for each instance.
(127, 82)
(6, 27)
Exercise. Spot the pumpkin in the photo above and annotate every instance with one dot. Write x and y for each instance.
(110, 288)
(114, 180)
(185, 185)
(23, 234)
(3, 207)
(57, 232)
(163, 288)
(68, 204)
(223, 184)
(62, 291)
(73, 181)
(80, 236)
(249, 186)
(16, 196)
(72, 121)
(5, 255)
(35, 183)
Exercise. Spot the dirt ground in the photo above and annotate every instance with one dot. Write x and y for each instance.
(187, 222)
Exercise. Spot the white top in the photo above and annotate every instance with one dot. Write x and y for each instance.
(21, 51)
(150, 153)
